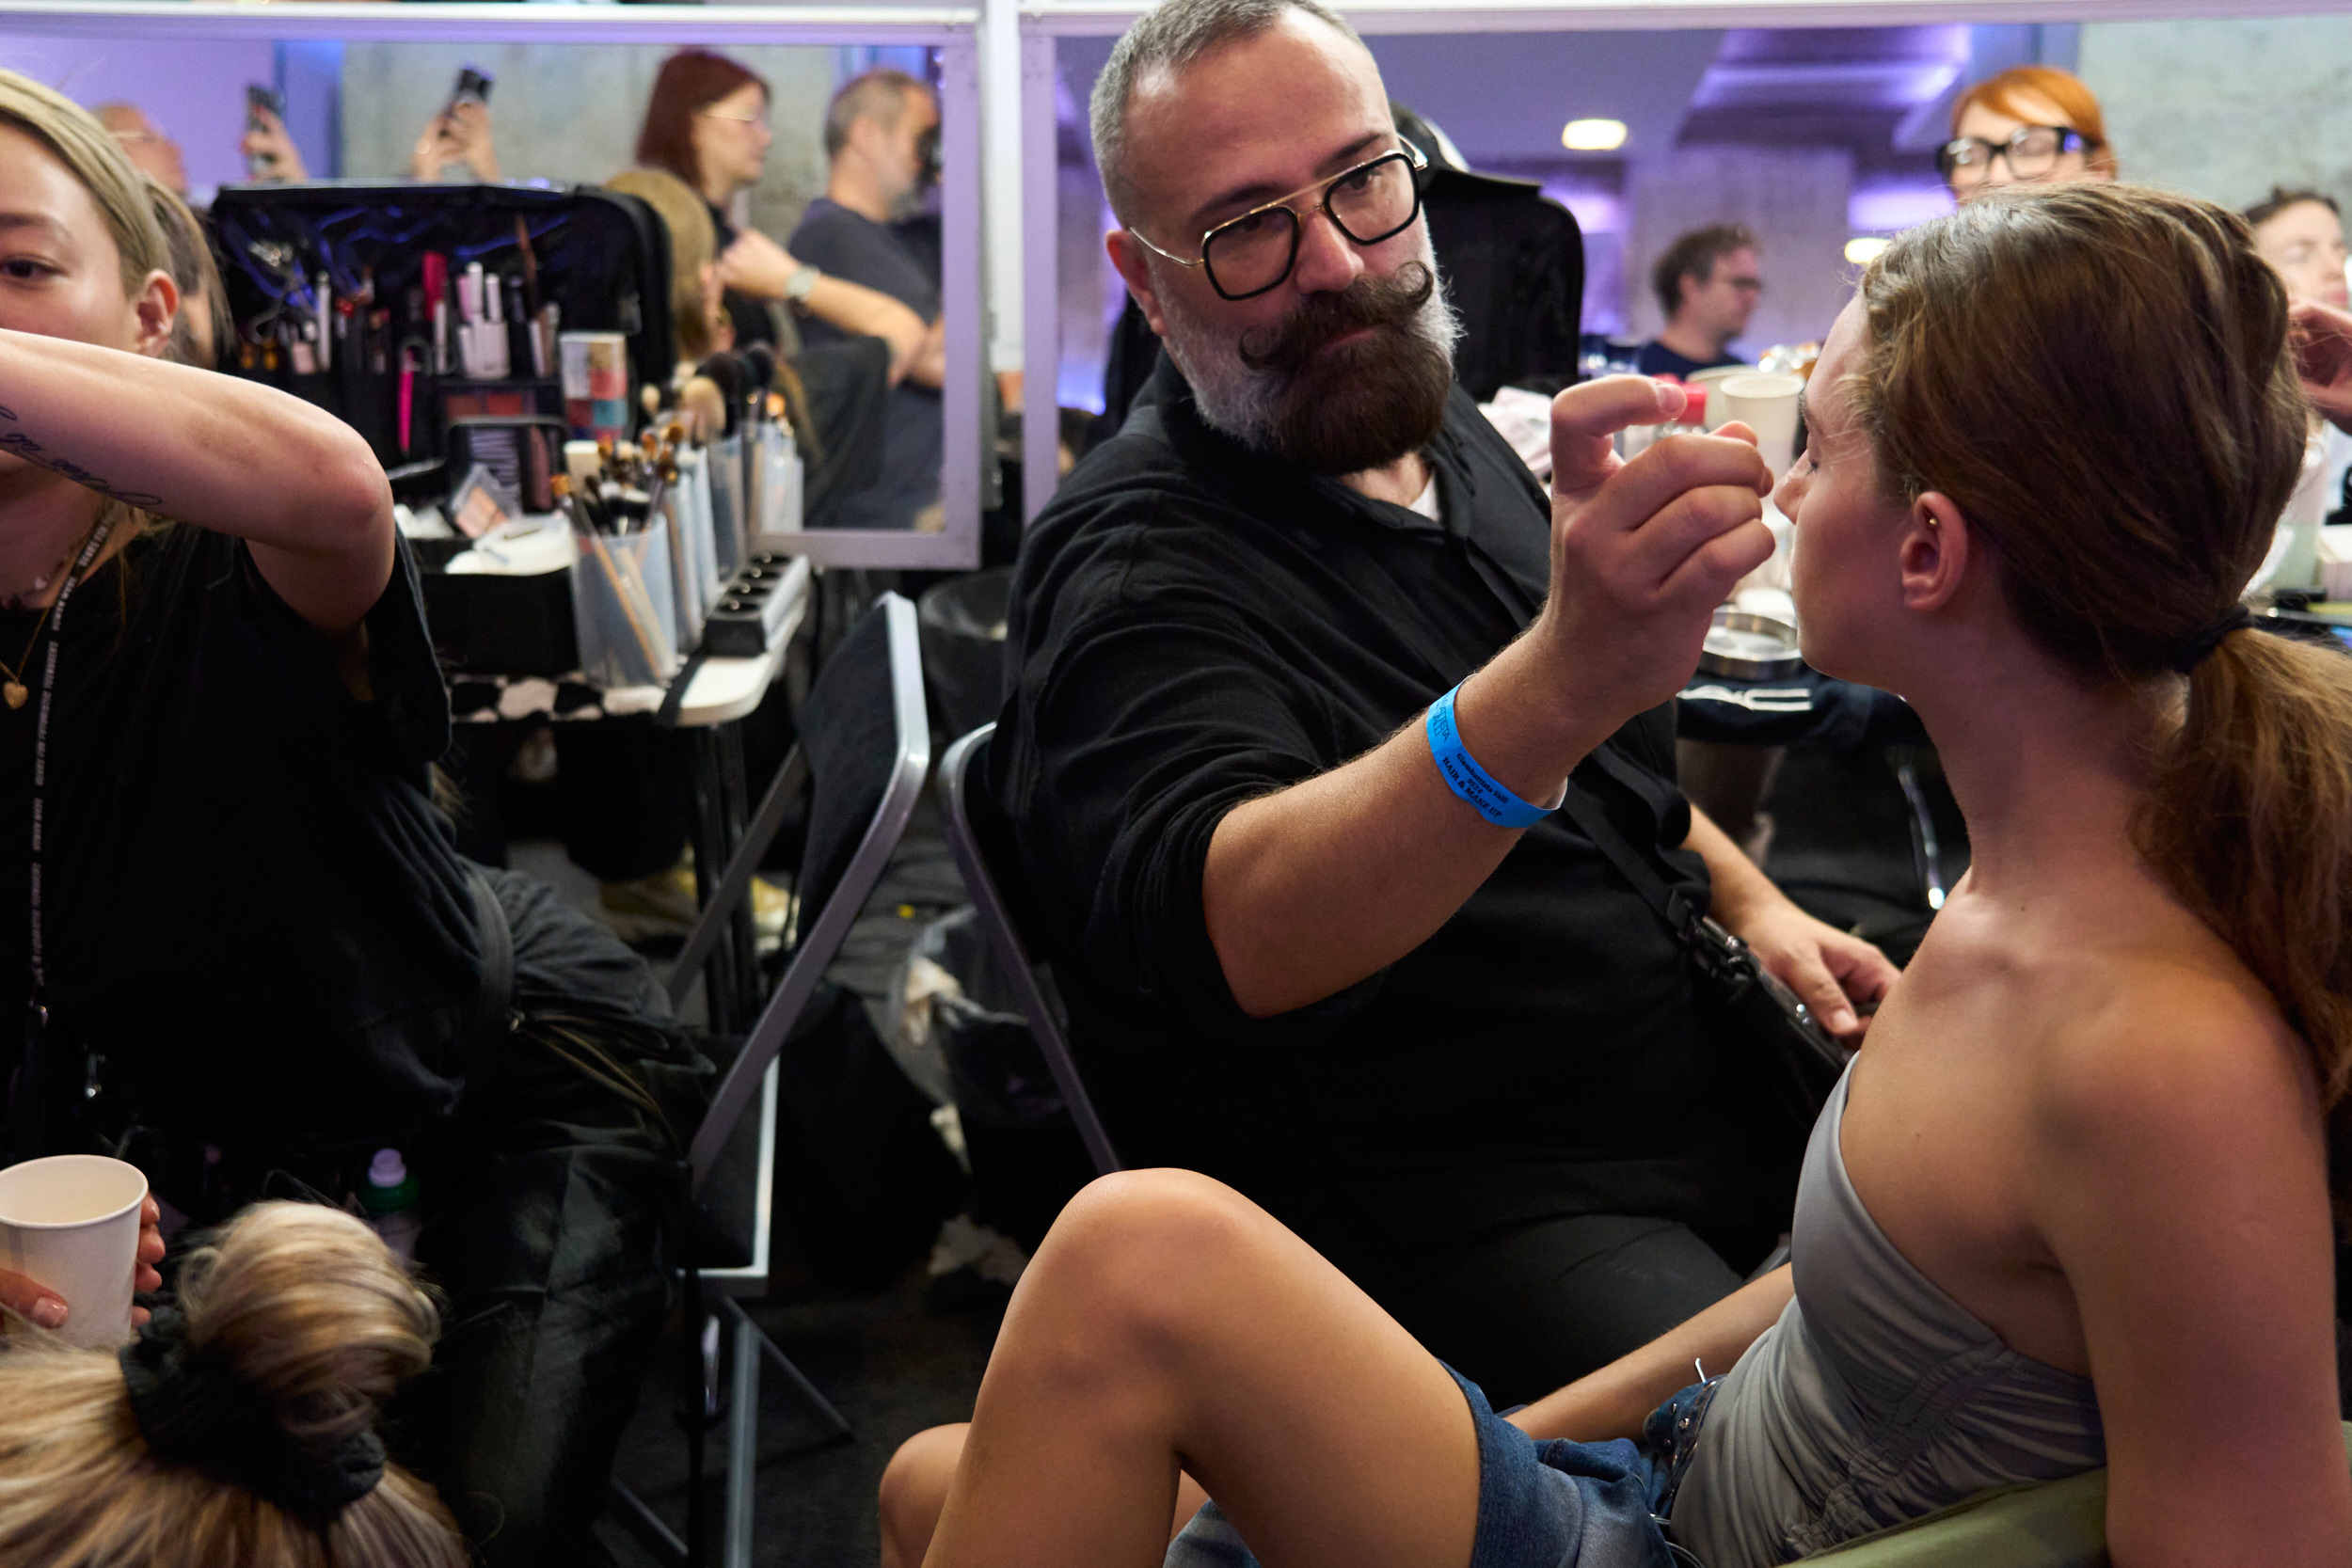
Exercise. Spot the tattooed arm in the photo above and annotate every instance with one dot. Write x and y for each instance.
(296, 483)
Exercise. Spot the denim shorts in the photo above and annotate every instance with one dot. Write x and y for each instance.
(1541, 1504)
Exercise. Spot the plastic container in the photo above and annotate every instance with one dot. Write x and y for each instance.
(625, 609)
(390, 1198)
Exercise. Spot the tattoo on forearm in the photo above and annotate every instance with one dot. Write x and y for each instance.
(33, 451)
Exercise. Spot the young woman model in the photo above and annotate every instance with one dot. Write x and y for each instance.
(243, 918)
(240, 1428)
(2070, 1207)
(706, 122)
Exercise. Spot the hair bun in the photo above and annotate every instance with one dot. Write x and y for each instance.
(310, 1313)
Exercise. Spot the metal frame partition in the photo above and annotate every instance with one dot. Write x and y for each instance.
(1044, 22)
(953, 30)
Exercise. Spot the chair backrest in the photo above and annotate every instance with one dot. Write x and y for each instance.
(981, 842)
(866, 737)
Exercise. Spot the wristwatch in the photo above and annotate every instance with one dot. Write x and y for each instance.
(797, 287)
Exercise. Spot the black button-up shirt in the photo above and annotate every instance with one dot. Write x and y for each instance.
(1194, 625)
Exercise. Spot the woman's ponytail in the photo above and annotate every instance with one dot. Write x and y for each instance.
(2249, 820)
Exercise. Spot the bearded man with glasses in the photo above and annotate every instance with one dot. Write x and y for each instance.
(1301, 662)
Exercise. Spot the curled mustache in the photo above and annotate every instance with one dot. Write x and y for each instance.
(1392, 302)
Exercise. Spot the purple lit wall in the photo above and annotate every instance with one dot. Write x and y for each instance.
(194, 91)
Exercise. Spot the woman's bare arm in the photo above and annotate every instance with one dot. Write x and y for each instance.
(213, 451)
(1614, 1400)
(2181, 1185)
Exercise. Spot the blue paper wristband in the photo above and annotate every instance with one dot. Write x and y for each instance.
(1472, 782)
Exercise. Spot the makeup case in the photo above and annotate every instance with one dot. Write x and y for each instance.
(327, 283)
(333, 296)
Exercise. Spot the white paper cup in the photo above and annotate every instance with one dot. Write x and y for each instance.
(71, 1221)
(1768, 405)
(1708, 381)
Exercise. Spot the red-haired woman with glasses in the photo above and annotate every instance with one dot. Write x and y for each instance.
(2032, 124)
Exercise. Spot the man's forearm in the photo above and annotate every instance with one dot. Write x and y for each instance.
(1315, 887)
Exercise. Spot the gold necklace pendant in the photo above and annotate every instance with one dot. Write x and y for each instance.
(14, 692)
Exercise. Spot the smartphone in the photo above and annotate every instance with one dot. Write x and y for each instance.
(257, 99)
(473, 87)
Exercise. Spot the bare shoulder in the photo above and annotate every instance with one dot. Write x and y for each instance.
(2172, 1052)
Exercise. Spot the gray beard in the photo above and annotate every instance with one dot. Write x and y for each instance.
(1246, 403)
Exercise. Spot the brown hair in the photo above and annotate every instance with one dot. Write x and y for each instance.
(199, 277)
(689, 82)
(2098, 376)
(1694, 255)
(2279, 200)
(317, 1320)
(2077, 105)
(693, 245)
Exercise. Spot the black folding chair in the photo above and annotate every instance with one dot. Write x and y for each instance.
(981, 841)
(864, 747)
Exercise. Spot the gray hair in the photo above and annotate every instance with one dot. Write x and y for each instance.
(1170, 37)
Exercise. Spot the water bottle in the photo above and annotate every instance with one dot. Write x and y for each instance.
(390, 1200)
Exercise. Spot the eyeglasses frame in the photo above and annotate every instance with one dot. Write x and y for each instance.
(1414, 161)
(2069, 140)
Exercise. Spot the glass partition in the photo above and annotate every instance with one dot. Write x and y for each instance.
(406, 203)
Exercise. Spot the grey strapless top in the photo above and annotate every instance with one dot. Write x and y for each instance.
(1875, 1399)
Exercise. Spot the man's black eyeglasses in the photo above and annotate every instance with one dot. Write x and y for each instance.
(2032, 152)
(1247, 256)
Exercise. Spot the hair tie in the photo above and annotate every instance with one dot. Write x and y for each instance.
(2191, 651)
(194, 1409)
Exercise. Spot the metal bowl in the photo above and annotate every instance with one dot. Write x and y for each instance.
(1746, 646)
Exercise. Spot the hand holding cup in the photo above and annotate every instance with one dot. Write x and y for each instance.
(78, 1234)
(1643, 551)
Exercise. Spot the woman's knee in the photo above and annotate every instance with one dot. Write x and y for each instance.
(914, 1491)
(1151, 1249)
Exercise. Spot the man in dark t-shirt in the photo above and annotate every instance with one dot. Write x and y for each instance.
(1707, 285)
(877, 135)
(1311, 943)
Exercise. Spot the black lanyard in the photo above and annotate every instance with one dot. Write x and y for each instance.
(39, 1022)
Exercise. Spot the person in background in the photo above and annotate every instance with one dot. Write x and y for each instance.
(2300, 233)
(202, 322)
(241, 1426)
(151, 153)
(2032, 124)
(706, 123)
(1707, 285)
(876, 131)
(699, 323)
(456, 139)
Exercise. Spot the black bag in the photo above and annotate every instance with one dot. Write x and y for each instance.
(601, 257)
(1776, 1043)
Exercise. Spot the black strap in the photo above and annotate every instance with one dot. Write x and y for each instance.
(673, 701)
(1673, 904)
(496, 1000)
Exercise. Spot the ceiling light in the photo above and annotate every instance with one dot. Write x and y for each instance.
(1593, 136)
(1866, 249)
